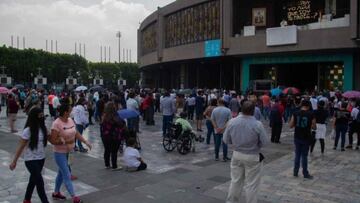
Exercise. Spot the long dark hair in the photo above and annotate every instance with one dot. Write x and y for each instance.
(34, 122)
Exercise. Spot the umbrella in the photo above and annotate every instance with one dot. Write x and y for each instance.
(351, 94)
(291, 90)
(276, 92)
(97, 89)
(81, 88)
(4, 90)
(127, 113)
(19, 86)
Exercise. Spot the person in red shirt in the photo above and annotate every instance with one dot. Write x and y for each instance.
(148, 108)
(12, 110)
(266, 105)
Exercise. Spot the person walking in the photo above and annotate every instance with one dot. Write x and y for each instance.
(33, 140)
(276, 121)
(303, 121)
(63, 134)
(12, 110)
(168, 108)
(219, 118)
(321, 116)
(209, 125)
(81, 121)
(341, 124)
(111, 131)
(248, 136)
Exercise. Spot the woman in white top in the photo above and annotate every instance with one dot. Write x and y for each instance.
(81, 120)
(33, 141)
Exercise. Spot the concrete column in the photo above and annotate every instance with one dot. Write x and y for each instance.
(160, 34)
(226, 22)
(355, 19)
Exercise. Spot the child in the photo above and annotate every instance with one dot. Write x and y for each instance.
(132, 158)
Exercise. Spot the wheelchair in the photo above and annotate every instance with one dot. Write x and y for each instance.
(184, 142)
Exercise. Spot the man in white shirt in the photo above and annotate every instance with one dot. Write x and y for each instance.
(313, 101)
(132, 104)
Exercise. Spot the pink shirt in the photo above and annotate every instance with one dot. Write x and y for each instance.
(66, 130)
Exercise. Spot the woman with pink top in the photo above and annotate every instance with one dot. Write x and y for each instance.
(63, 134)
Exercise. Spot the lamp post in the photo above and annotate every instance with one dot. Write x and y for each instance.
(118, 35)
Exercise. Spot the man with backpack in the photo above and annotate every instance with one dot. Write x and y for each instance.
(354, 126)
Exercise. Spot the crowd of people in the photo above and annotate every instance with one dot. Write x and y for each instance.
(230, 118)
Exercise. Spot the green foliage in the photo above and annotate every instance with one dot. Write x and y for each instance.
(23, 66)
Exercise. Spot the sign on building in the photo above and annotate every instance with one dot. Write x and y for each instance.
(98, 82)
(39, 80)
(213, 48)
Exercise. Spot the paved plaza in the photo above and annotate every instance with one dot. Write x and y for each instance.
(195, 177)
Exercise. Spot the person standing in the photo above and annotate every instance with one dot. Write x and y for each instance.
(168, 108)
(90, 106)
(133, 104)
(276, 121)
(341, 124)
(190, 102)
(148, 105)
(81, 121)
(266, 102)
(234, 105)
(303, 121)
(33, 140)
(248, 136)
(321, 115)
(111, 131)
(12, 110)
(209, 125)
(63, 134)
(354, 126)
(219, 118)
(199, 110)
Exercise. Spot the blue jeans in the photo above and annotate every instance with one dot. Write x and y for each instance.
(266, 112)
(64, 174)
(167, 120)
(80, 129)
(218, 141)
(210, 131)
(301, 152)
(340, 131)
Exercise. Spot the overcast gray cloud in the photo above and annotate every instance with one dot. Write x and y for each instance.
(93, 22)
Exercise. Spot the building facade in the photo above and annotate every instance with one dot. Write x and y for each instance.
(309, 44)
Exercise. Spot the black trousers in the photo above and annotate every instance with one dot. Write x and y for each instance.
(142, 166)
(35, 167)
(276, 132)
(111, 150)
(354, 128)
(322, 144)
(91, 113)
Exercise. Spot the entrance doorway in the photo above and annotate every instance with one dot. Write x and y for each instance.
(305, 76)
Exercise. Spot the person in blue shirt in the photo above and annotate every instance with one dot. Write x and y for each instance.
(199, 109)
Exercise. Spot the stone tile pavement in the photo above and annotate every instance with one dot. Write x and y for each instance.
(195, 177)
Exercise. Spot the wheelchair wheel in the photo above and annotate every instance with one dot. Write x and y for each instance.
(169, 143)
(184, 144)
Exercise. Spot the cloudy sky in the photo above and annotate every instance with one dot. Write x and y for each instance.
(93, 22)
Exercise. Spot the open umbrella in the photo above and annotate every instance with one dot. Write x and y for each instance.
(4, 90)
(19, 86)
(351, 94)
(97, 89)
(81, 88)
(291, 90)
(276, 92)
(127, 113)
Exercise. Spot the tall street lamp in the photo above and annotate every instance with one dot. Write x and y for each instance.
(118, 35)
